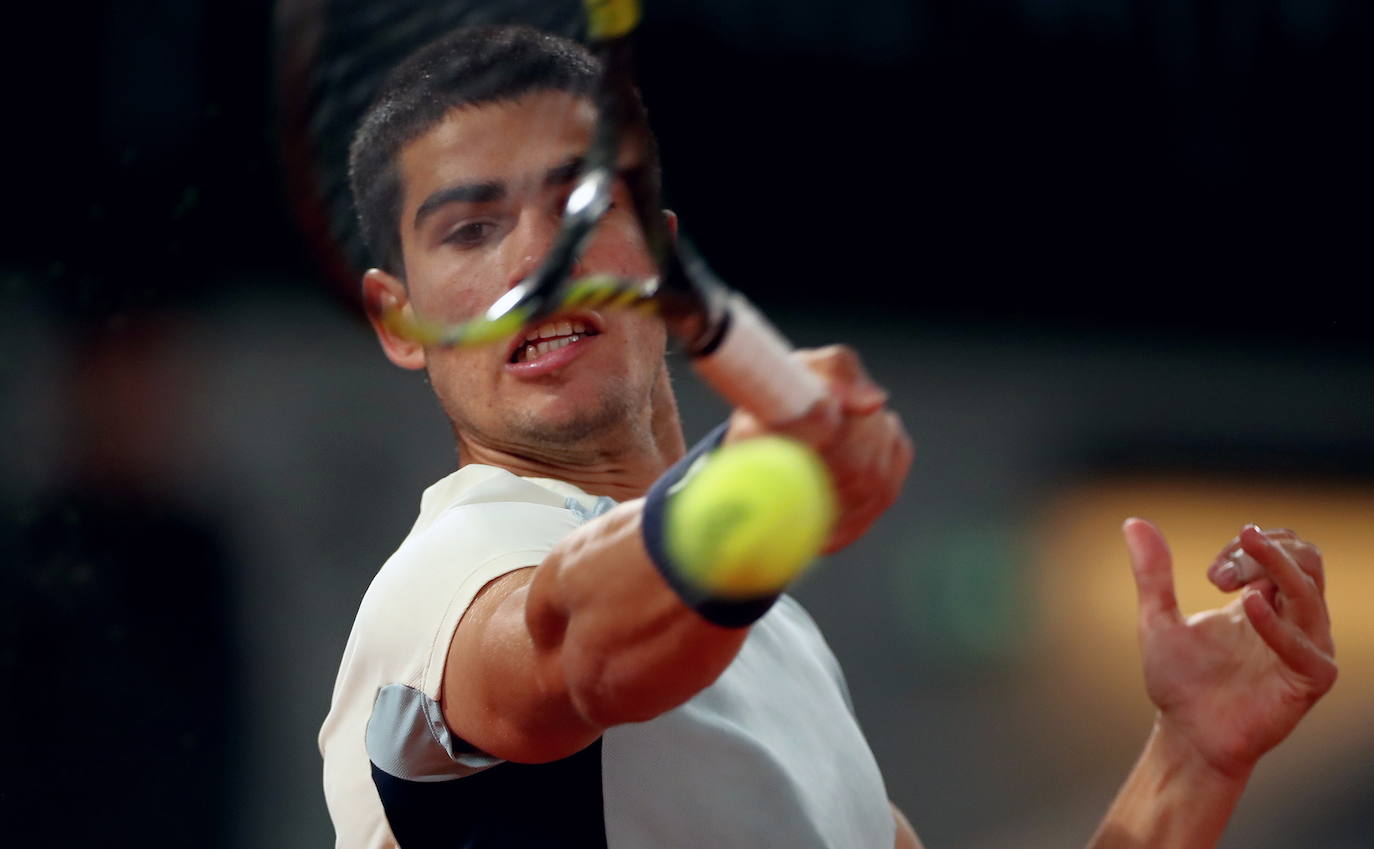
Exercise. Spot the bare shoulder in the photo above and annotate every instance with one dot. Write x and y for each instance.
(490, 599)
(493, 619)
(496, 693)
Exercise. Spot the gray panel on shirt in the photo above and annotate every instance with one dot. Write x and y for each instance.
(770, 755)
(407, 737)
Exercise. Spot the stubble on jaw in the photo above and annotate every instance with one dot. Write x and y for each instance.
(589, 428)
(619, 418)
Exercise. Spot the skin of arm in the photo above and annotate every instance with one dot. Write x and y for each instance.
(592, 637)
(906, 835)
(1171, 799)
(547, 658)
(1230, 684)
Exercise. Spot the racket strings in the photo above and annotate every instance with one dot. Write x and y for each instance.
(597, 291)
(552, 288)
(347, 47)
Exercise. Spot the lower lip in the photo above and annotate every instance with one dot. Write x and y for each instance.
(550, 362)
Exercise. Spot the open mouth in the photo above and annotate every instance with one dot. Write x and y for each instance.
(550, 336)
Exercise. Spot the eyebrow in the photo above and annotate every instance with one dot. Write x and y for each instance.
(486, 191)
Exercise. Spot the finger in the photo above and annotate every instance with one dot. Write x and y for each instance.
(1236, 572)
(877, 480)
(904, 452)
(1268, 590)
(897, 460)
(1288, 642)
(860, 512)
(1153, 568)
(1309, 559)
(844, 371)
(856, 449)
(1232, 548)
(1298, 589)
(818, 427)
(864, 455)
(1242, 569)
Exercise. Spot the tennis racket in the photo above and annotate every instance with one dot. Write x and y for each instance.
(729, 343)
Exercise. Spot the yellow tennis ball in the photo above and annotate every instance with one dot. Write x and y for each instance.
(751, 518)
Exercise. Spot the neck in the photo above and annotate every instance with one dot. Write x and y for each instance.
(618, 464)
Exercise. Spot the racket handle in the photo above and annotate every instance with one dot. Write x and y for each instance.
(751, 367)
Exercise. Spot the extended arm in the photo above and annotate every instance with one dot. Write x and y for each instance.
(547, 658)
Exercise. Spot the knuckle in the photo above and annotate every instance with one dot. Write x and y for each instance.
(843, 353)
(824, 354)
(843, 360)
(1330, 672)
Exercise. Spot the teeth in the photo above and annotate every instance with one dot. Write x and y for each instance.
(535, 351)
(555, 328)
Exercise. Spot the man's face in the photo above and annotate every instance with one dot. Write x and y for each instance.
(482, 198)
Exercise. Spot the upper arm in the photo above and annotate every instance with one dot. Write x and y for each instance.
(501, 692)
(547, 658)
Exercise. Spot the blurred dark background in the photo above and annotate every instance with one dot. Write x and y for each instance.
(1040, 160)
(1108, 254)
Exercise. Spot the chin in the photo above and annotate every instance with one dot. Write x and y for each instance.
(565, 423)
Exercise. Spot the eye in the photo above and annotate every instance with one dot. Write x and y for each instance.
(470, 234)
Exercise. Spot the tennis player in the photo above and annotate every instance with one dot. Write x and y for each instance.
(521, 673)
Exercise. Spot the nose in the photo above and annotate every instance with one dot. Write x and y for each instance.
(530, 244)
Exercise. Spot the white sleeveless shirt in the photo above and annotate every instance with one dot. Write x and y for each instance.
(770, 755)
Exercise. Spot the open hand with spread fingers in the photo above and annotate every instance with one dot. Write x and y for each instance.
(1233, 682)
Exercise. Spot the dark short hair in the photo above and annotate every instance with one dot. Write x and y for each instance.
(466, 67)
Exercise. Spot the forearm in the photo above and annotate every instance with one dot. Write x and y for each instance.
(1171, 800)
(610, 632)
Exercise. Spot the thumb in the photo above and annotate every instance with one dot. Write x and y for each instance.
(1153, 568)
(863, 397)
(843, 371)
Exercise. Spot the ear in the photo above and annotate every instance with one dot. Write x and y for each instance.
(382, 290)
(670, 218)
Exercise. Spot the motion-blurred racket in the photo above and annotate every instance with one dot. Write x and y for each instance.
(332, 57)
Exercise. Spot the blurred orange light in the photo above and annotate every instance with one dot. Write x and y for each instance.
(1087, 596)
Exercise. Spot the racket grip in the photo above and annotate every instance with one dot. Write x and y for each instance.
(751, 367)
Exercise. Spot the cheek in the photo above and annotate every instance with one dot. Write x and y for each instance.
(454, 293)
(462, 373)
(649, 340)
(619, 247)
